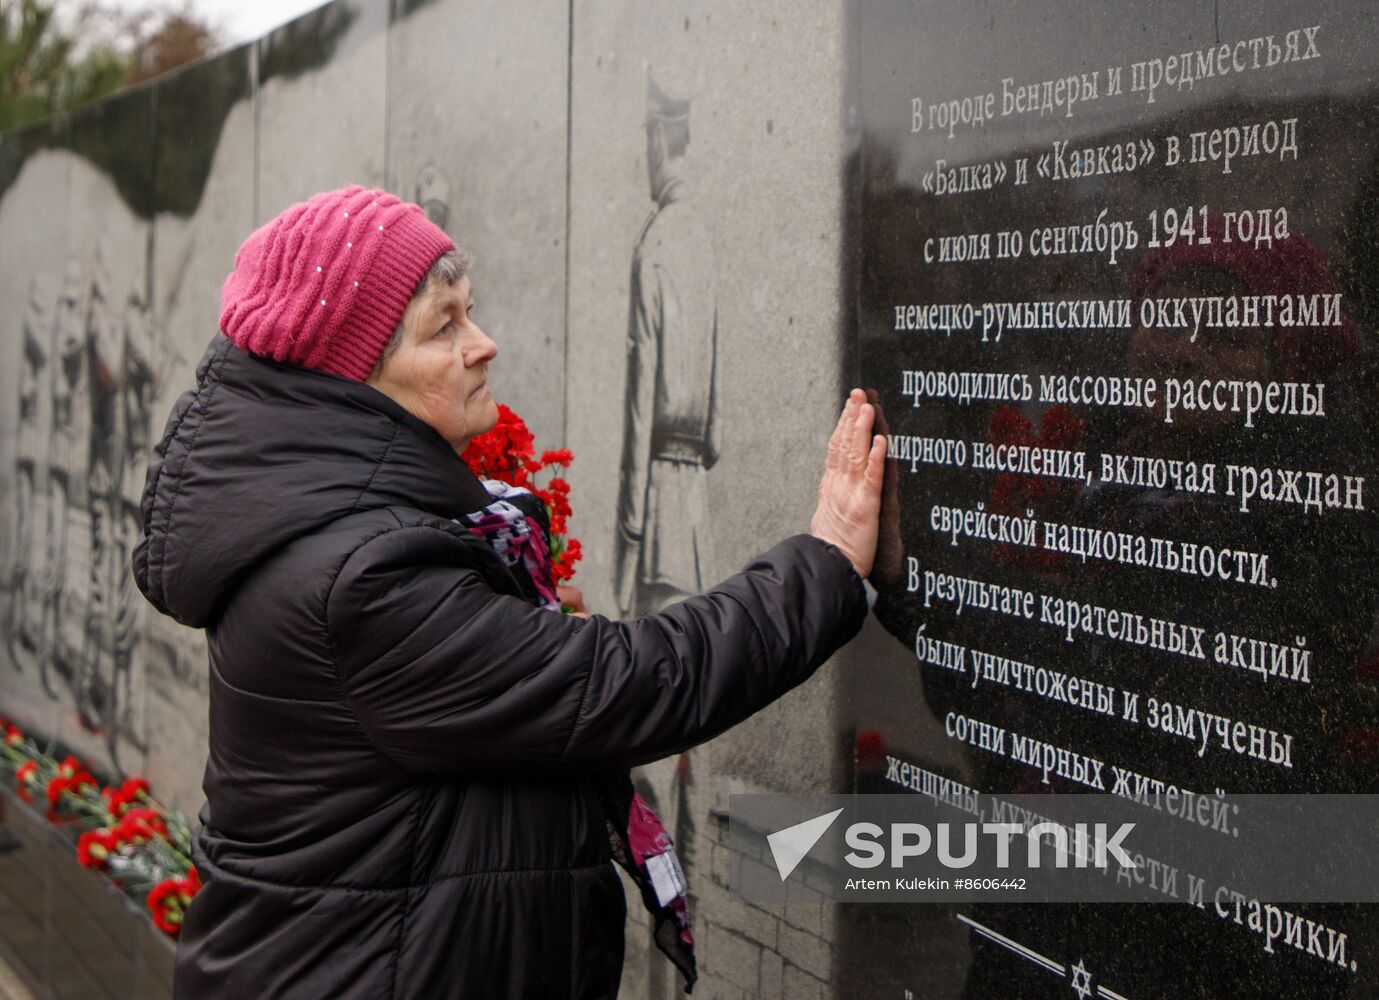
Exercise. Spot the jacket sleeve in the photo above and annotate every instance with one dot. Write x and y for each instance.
(446, 675)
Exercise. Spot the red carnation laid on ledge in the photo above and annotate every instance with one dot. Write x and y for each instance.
(125, 833)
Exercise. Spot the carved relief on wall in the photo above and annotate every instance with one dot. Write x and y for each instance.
(93, 367)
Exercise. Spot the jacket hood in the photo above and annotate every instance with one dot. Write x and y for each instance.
(262, 453)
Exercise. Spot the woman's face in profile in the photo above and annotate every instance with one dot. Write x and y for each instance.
(439, 370)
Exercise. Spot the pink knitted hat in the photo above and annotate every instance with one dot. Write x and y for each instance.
(325, 284)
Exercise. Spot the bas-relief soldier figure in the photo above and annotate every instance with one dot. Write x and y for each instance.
(670, 433)
(122, 390)
(100, 390)
(138, 392)
(104, 341)
(101, 386)
(25, 581)
(433, 195)
(67, 471)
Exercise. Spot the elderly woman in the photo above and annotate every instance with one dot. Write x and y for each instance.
(416, 761)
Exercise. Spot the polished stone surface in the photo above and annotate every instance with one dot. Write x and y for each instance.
(68, 660)
(32, 273)
(742, 250)
(1318, 594)
(205, 207)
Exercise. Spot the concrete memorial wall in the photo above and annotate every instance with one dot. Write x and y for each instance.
(1110, 271)
(588, 155)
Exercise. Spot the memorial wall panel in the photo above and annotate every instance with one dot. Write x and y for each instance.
(204, 209)
(1117, 295)
(322, 95)
(77, 234)
(34, 170)
(702, 376)
(92, 660)
(477, 105)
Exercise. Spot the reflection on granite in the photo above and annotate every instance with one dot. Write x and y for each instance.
(192, 108)
(306, 43)
(16, 147)
(118, 136)
(1271, 582)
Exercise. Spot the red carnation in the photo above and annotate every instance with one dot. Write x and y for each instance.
(26, 780)
(118, 801)
(507, 453)
(560, 492)
(141, 825)
(55, 789)
(165, 905)
(190, 883)
(70, 766)
(168, 901)
(71, 784)
(94, 848)
(563, 568)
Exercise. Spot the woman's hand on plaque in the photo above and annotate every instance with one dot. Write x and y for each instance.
(848, 511)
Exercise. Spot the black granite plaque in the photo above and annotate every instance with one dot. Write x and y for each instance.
(1119, 279)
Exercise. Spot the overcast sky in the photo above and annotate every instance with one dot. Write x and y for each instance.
(241, 20)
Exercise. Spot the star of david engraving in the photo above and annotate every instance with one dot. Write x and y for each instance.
(1082, 980)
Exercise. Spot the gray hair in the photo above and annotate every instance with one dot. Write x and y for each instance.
(449, 268)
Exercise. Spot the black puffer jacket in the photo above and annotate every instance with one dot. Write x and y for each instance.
(404, 753)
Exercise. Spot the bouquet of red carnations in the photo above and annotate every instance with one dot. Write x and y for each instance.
(508, 453)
